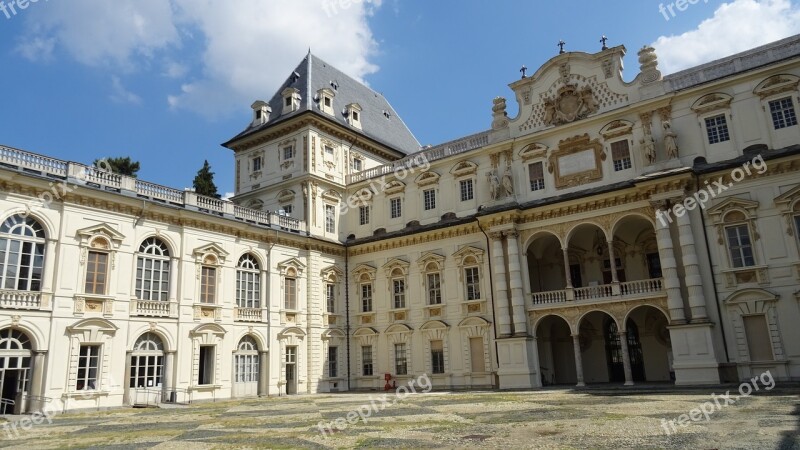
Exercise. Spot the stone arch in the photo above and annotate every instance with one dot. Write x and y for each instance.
(158, 330)
(628, 216)
(539, 234)
(44, 221)
(538, 321)
(34, 334)
(256, 335)
(570, 233)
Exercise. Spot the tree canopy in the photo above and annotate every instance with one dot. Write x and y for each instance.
(122, 165)
(204, 182)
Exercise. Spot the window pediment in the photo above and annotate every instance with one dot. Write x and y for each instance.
(332, 196)
(789, 205)
(533, 151)
(362, 271)
(291, 264)
(210, 254)
(286, 196)
(747, 207)
(616, 129)
(468, 252)
(712, 102)
(427, 178)
(396, 263)
(104, 230)
(751, 295)
(331, 273)
(365, 331)
(93, 328)
(394, 187)
(398, 328)
(464, 168)
(777, 84)
(428, 258)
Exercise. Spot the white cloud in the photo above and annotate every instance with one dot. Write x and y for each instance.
(241, 51)
(735, 27)
(120, 94)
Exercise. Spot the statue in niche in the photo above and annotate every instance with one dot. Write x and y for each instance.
(494, 186)
(670, 141)
(648, 146)
(508, 182)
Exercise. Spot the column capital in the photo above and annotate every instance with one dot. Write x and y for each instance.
(511, 234)
(496, 235)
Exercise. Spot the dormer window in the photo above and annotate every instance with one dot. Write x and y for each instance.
(325, 99)
(353, 114)
(261, 112)
(291, 100)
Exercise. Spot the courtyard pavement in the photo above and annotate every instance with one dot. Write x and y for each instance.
(605, 417)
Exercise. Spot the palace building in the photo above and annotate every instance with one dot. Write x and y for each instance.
(612, 232)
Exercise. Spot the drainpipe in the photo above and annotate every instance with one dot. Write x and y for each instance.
(347, 309)
(491, 284)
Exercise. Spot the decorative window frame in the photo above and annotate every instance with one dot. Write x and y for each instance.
(464, 169)
(364, 274)
(427, 178)
(291, 268)
(206, 335)
(251, 158)
(334, 338)
(366, 336)
(105, 239)
(397, 269)
(286, 196)
(748, 302)
(711, 105)
(617, 131)
(261, 112)
(436, 330)
(332, 275)
(468, 257)
(400, 334)
(571, 146)
(430, 263)
(292, 337)
(92, 331)
(774, 88)
(210, 255)
(472, 327)
(789, 206)
(718, 214)
(329, 161)
(287, 162)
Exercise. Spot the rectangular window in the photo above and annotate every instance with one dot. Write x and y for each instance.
(437, 356)
(366, 360)
(400, 361)
(473, 282)
(88, 365)
(330, 219)
(357, 165)
(208, 284)
(330, 296)
(467, 191)
(717, 129)
(328, 102)
(329, 151)
(759, 342)
(621, 155)
(783, 113)
(366, 297)
(363, 215)
(430, 199)
(434, 289)
(477, 358)
(396, 207)
(290, 293)
(333, 362)
(575, 275)
(399, 293)
(287, 209)
(654, 265)
(740, 246)
(257, 164)
(96, 273)
(288, 101)
(205, 368)
(536, 175)
(288, 152)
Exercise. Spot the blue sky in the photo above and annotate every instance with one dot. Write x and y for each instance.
(166, 81)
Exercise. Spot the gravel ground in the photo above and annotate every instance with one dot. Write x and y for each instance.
(606, 417)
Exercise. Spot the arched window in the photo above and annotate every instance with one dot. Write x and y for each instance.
(147, 362)
(246, 361)
(22, 246)
(152, 271)
(248, 282)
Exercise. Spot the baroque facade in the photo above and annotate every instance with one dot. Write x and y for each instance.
(613, 231)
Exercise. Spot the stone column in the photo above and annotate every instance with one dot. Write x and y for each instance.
(51, 249)
(37, 381)
(566, 268)
(612, 261)
(669, 270)
(500, 286)
(515, 284)
(578, 360)
(263, 372)
(167, 377)
(173, 279)
(626, 358)
(691, 264)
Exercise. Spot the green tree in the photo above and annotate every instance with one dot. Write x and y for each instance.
(122, 165)
(204, 182)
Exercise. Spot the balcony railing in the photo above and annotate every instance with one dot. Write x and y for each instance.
(637, 288)
(21, 300)
(248, 314)
(153, 308)
(431, 154)
(92, 176)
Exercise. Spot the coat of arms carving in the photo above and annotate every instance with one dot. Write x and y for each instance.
(569, 105)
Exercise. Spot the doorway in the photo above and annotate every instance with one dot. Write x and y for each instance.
(15, 367)
(291, 370)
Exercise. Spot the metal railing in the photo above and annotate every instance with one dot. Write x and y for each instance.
(150, 397)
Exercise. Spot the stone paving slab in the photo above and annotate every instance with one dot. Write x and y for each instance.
(547, 419)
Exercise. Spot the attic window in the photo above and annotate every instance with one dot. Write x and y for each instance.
(261, 112)
(328, 102)
(291, 100)
(353, 114)
(288, 101)
(335, 85)
(386, 114)
(325, 99)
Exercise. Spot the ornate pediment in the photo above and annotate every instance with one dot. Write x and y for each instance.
(213, 250)
(285, 196)
(430, 257)
(464, 168)
(332, 273)
(616, 129)
(394, 187)
(291, 264)
(104, 230)
(468, 252)
(712, 102)
(777, 84)
(719, 211)
(394, 264)
(532, 151)
(332, 196)
(427, 178)
(789, 205)
(569, 105)
(364, 272)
